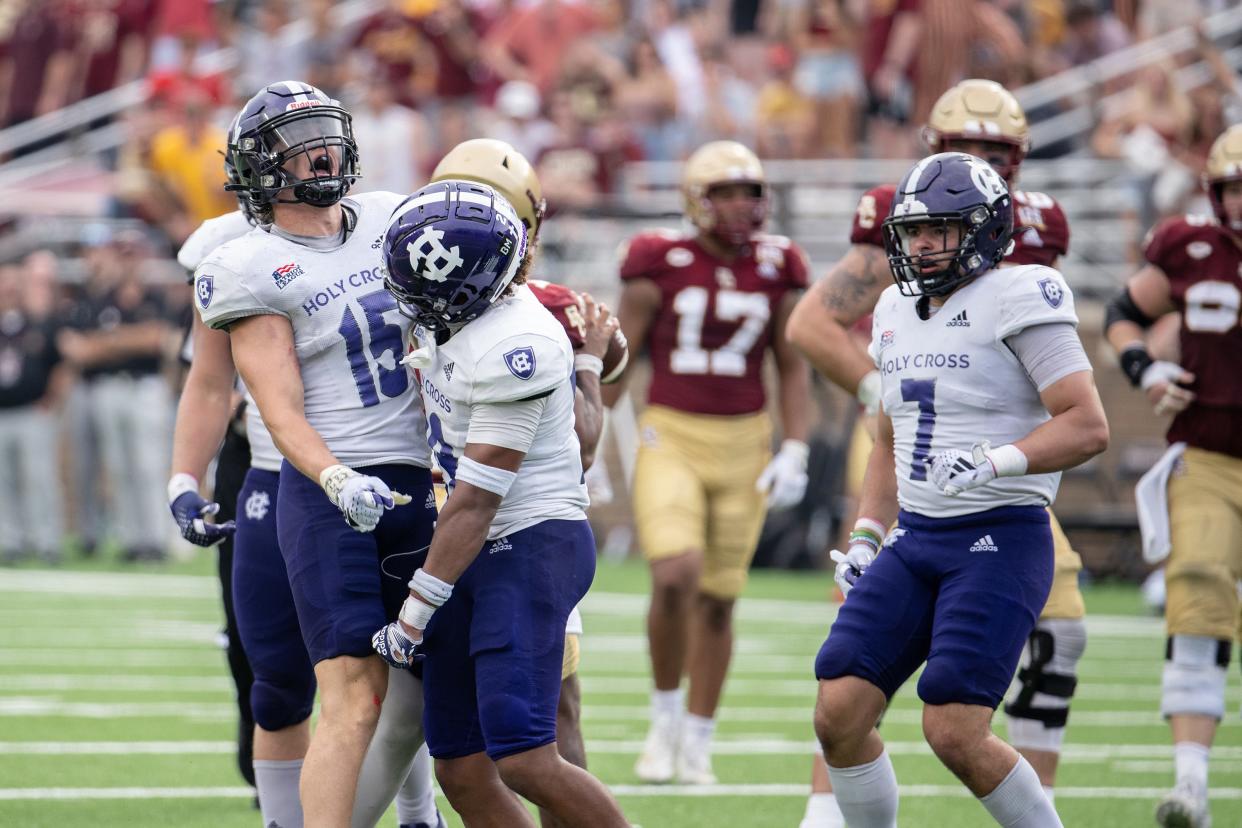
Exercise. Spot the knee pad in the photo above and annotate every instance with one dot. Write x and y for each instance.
(281, 704)
(1194, 676)
(1048, 675)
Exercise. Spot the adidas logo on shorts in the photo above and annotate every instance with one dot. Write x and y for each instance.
(984, 544)
(959, 321)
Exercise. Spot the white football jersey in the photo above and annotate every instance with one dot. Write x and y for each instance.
(514, 351)
(347, 331)
(211, 234)
(951, 381)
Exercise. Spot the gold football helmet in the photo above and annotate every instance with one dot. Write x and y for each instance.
(497, 164)
(1224, 164)
(980, 110)
(714, 164)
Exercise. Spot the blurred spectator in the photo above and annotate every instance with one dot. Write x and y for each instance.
(123, 332)
(584, 163)
(36, 58)
(730, 101)
(32, 387)
(173, 85)
(1090, 33)
(516, 119)
(680, 40)
(889, 52)
(825, 36)
(392, 43)
(454, 29)
(326, 49)
(785, 116)
(396, 141)
(179, 23)
(529, 42)
(187, 159)
(110, 43)
(267, 51)
(646, 98)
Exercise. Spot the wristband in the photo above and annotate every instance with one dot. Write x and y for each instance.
(1134, 361)
(428, 586)
(416, 613)
(332, 479)
(868, 531)
(181, 483)
(589, 362)
(1008, 461)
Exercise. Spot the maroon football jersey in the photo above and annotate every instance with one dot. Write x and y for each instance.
(715, 319)
(565, 305)
(1040, 229)
(1204, 266)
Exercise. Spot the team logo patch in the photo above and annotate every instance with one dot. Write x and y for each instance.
(521, 362)
(257, 505)
(1199, 249)
(282, 276)
(203, 289)
(1053, 294)
(448, 371)
(430, 258)
(886, 339)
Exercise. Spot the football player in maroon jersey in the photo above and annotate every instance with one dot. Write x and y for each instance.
(1194, 266)
(599, 348)
(707, 306)
(984, 119)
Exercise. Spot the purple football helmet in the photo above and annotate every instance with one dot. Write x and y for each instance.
(944, 189)
(450, 251)
(283, 121)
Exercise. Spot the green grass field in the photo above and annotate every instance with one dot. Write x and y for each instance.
(115, 709)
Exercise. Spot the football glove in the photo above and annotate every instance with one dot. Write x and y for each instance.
(1175, 398)
(784, 480)
(190, 509)
(395, 646)
(852, 564)
(361, 498)
(956, 471)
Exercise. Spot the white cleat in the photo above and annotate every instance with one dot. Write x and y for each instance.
(694, 765)
(659, 757)
(1183, 807)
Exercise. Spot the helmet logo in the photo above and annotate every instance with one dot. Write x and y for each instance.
(986, 179)
(430, 258)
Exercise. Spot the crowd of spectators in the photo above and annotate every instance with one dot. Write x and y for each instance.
(582, 87)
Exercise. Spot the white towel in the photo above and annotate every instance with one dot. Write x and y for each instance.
(1151, 496)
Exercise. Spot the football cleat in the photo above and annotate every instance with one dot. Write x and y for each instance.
(694, 765)
(659, 756)
(1183, 807)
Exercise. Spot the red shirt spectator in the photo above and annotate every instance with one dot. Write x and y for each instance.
(530, 42)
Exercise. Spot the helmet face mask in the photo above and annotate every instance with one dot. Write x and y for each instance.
(963, 206)
(450, 251)
(292, 137)
(709, 169)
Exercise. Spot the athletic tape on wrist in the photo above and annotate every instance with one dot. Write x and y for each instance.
(1008, 461)
(333, 478)
(416, 613)
(497, 481)
(181, 483)
(589, 362)
(430, 587)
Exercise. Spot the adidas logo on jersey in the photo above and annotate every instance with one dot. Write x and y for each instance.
(984, 544)
(959, 321)
(502, 545)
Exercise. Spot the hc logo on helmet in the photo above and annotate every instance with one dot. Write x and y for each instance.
(431, 259)
(203, 288)
(521, 362)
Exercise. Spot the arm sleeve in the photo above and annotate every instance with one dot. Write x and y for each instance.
(1049, 352)
(510, 425)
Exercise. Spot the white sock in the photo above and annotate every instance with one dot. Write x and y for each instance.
(1051, 794)
(666, 704)
(416, 799)
(398, 736)
(698, 731)
(1019, 800)
(867, 794)
(1190, 760)
(277, 783)
(822, 811)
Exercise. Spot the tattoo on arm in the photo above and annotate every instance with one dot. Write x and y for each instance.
(851, 288)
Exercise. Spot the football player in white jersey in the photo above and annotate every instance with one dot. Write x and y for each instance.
(317, 340)
(512, 552)
(987, 396)
(283, 689)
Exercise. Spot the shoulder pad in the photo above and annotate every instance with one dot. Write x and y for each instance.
(872, 209)
(646, 252)
(1030, 295)
(222, 294)
(211, 234)
(521, 366)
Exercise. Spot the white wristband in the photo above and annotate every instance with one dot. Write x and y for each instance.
(589, 362)
(430, 587)
(416, 613)
(864, 524)
(179, 484)
(1008, 460)
(489, 478)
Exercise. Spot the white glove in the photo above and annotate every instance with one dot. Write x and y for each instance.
(955, 471)
(852, 564)
(784, 480)
(1175, 398)
(870, 389)
(361, 498)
